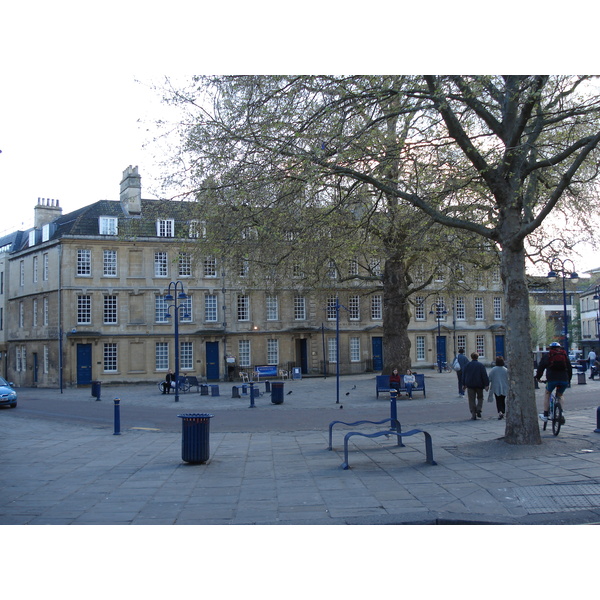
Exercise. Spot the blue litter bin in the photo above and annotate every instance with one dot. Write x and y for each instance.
(195, 437)
(96, 389)
(277, 392)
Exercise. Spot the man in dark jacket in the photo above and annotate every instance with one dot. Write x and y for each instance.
(475, 379)
(558, 376)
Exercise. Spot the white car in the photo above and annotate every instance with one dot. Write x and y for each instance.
(7, 394)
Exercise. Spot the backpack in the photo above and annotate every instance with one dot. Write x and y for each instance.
(557, 359)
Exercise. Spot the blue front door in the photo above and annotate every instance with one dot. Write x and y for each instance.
(377, 345)
(441, 349)
(212, 361)
(84, 364)
(499, 345)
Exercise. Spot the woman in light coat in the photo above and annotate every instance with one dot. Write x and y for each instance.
(499, 385)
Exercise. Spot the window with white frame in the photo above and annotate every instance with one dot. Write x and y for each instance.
(186, 356)
(35, 312)
(272, 309)
(161, 356)
(46, 311)
(21, 359)
(331, 311)
(497, 308)
(354, 349)
(108, 225)
(272, 352)
(161, 309)
(420, 347)
(332, 350)
(110, 310)
(243, 307)
(480, 345)
(461, 342)
(496, 278)
(297, 271)
(21, 314)
(45, 267)
(184, 264)
(110, 358)
(420, 308)
(210, 267)
(22, 273)
(244, 267)
(376, 308)
(354, 308)
(197, 229)
(186, 310)
(244, 353)
(352, 267)
(459, 309)
(299, 308)
(45, 360)
(161, 264)
(375, 264)
(165, 228)
(109, 263)
(331, 270)
(84, 309)
(210, 308)
(479, 314)
(35, 269)
(84, 262)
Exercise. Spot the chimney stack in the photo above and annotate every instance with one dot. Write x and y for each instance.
(131, 191)
(45, 212)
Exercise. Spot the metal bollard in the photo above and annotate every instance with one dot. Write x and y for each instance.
(117, 416)
(235, 392)
(251, 395)
(394, 409)
(597, 430)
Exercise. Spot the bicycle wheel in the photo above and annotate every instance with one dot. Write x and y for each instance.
(556, 418)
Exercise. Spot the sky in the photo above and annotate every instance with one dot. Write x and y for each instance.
(76, 104)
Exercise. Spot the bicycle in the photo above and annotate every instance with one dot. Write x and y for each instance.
(183, 384)
(555, 414)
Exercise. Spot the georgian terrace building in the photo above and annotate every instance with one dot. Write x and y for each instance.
(84, 298)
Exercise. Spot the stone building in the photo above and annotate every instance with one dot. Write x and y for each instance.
(85, 297)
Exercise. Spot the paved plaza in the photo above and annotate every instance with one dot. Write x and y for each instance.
(60, 472)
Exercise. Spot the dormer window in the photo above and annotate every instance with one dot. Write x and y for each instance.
(108, 225)
(165, 228)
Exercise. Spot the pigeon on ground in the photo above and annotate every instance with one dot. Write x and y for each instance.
(347, 393)
(289, 392)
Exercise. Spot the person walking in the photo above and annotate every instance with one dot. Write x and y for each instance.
(475, 379)
(462, 361)
(591, 358)
(499, 385)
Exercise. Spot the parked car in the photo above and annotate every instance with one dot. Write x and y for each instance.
(7, 394)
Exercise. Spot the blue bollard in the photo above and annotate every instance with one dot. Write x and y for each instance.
(597, 430)
(117, 416)
(393, 409)
(251, 395)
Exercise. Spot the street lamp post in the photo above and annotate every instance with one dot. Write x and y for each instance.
(597, 299)
(563, 271)
(439, 312)
(174, 294)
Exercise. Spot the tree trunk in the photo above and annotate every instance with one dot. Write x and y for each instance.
(396, 317)
(522, 425)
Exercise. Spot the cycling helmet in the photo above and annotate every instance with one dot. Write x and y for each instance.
(554, 344)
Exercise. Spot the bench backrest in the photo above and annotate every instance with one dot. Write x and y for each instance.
(383, 382)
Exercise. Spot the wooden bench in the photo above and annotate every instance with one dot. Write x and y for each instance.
(383, 384)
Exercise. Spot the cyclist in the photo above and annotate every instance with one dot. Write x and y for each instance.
(558, 369)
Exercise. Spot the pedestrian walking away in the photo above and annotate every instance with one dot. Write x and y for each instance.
(499, 385)
(558, 369)
(461, 360)
(591, 358)
(475, 380)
